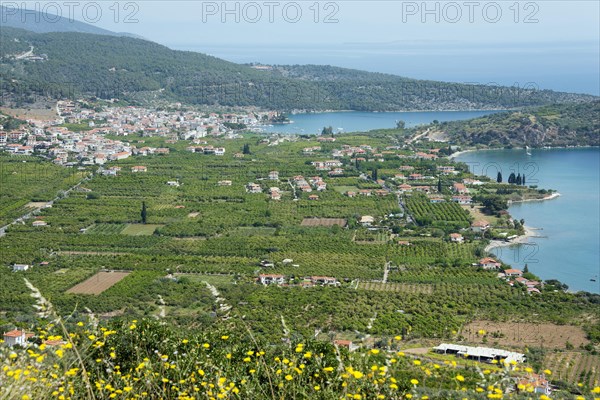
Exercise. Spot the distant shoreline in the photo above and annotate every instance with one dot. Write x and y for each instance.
(460, 153)
(296, 112)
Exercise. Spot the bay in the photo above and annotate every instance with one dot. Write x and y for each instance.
(357, 121)
(570, 224)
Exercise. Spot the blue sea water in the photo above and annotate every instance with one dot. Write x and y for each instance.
(522, 64)
(570, 224)
(356, 121)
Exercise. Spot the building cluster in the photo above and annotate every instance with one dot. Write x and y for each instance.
(78, 133)
(283, 280)
(307, 186)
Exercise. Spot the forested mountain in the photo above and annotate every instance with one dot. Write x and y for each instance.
(553, 125)
(70, 64)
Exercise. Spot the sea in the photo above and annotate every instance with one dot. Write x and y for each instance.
(568, 246)
(356, 121)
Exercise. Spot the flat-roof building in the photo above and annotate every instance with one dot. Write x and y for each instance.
(484, 354)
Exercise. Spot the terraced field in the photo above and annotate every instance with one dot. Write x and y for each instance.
(396, 287)
(574, 367)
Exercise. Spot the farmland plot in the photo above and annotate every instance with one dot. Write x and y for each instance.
(523, 334)
(99, 282)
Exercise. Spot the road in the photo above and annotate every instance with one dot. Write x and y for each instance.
(419, 136)
(405, 212)
(25, 55)
(386, 270)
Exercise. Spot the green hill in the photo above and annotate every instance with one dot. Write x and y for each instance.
(553, 125)
(69, 64)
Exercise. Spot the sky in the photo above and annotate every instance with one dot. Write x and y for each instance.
(554, 44)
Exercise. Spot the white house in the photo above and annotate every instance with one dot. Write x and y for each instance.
(253, 188)
(16, 337)
(462, 199)
(268, 279)
(513, 272)
(480, 226)
(367, 220)
(20, 267)
(324, 280)
(345, 343)
(489, 263)
(456, 238)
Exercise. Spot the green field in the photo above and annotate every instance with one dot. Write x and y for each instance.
(344, 189)
(235, 233)
(252, 231)
(105, 229)
(140, 229)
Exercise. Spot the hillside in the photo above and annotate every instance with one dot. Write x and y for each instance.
(70, 64)
(553, 125)
(41, 22)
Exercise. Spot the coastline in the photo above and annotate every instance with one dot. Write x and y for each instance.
(530, 232)
(459, 153)
(519, 240)
(549, 197)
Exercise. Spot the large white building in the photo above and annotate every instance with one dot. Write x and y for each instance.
(484, 354)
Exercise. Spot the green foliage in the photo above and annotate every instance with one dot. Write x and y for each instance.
(144, 213)
(446, 215)
(220, 234)
(552, 125)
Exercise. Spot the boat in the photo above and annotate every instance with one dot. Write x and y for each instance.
(527, 150)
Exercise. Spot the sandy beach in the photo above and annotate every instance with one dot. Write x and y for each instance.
(523, 239)
(549, 197)
(459, 153)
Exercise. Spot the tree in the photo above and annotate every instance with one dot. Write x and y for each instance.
(495, 203)
(374, 174)
(518, 180)
(526, 269)
(144, 213)
(512, 178)
(327, 131)
(246, 149)
(440, 185)
(400, 124)
(499, 177)
(523, 180)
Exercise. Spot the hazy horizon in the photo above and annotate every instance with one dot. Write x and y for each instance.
(546, 44)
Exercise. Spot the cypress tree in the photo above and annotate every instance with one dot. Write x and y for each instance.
(144, 213)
